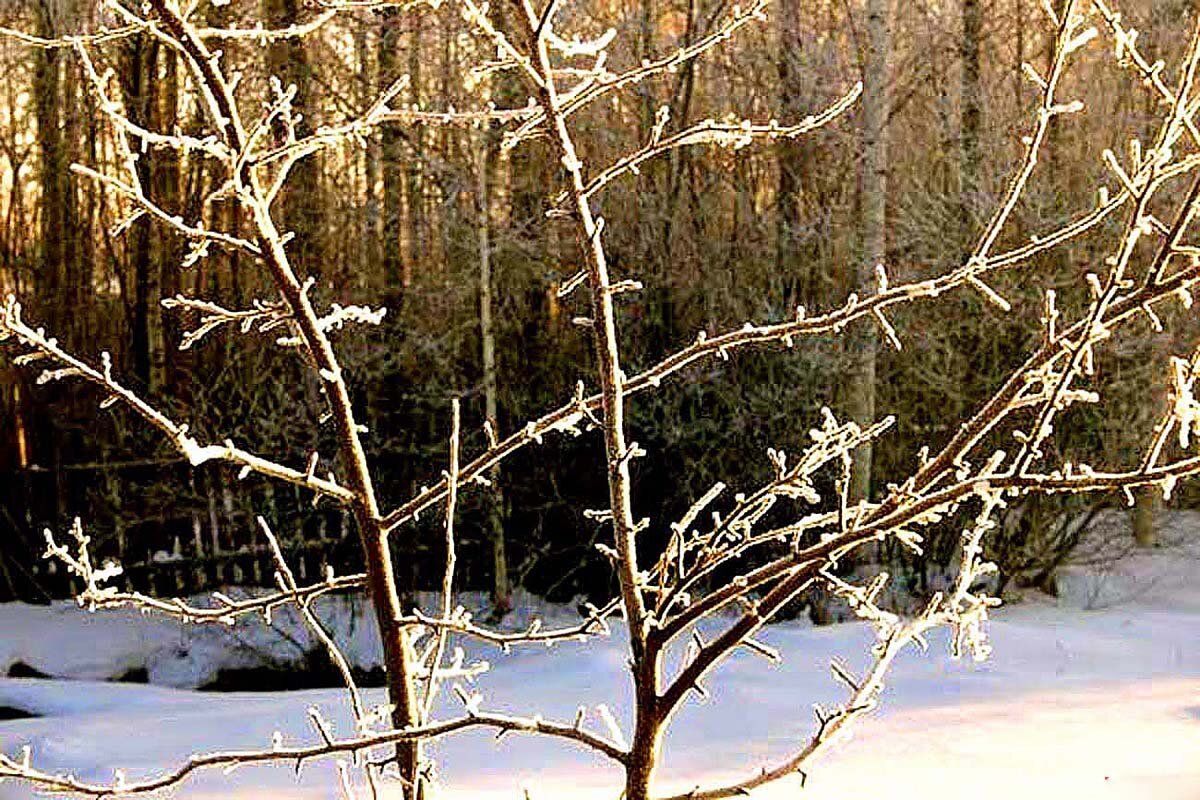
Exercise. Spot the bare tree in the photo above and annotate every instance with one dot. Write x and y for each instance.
(778, 540)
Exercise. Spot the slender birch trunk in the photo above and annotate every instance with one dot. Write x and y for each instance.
(863, 340)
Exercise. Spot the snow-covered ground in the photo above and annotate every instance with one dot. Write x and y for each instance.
(1075, 702)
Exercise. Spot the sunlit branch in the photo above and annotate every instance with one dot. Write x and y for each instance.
(1127, 51)
(66, 366)
(72, 41)
(264, 35)
(1082, 346)
(958, 608)
(601, 84)
(722, 134)
(22, 768)
(148, 206)
(225, 610)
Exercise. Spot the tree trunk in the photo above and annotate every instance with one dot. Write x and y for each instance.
(140, 71)
(57, 215)
(1018, 77)
(415, 232)
(862, 339)
(168, 189)
(971, 116)
(796, 268)
(644, 754)
(395, 269)
(371, 153)
(501, 591)
(1145, 511)
(302, 212)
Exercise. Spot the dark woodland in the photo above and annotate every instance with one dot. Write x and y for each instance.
(399, 218)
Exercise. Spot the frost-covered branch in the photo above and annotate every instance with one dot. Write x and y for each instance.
(442, 634)
(1128, 53)
(260, 34)
(264, 316)
(224, 610)
(23, 768)
(239, 138)
(600, 82)
(730, 133)
(962, 608)
(102, 36)
(60, 365)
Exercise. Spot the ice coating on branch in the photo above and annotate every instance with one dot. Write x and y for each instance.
(1185, 408)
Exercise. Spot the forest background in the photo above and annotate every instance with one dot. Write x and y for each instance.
(448, 229)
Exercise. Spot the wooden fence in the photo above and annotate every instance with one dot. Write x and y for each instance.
(178, 531)
(172, 575)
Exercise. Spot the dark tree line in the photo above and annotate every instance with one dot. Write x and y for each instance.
(450, 227)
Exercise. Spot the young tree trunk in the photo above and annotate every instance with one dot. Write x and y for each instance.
(395, 269)
(645, 749)
(862, 339)
(971, 115)
(149, 88)
(19, 426)
(168, 188)
(371, 153)
(54, 162)
(1145, 511)
(501, 591)
(416, 231)
(788, 152)
(300, 201)
(797, 268)
(139, 87)
(1019, 80)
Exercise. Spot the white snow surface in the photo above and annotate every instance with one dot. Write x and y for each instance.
(1079, 699)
